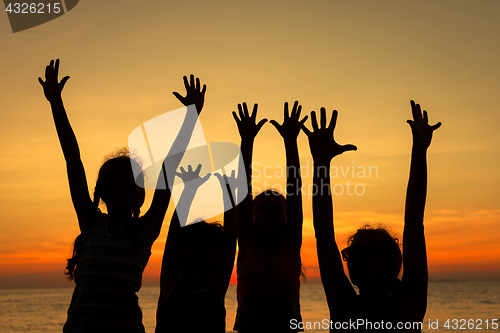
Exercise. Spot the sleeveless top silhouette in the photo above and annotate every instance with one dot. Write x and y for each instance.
(108, 276)
(268, 290)
(192, 311)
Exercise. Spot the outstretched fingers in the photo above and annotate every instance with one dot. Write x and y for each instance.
(48, 70)
(314, 121)
(197, 87)
(333, 120)
(416, 111)
(190, 175)
(323, 118)
(247, 125)
(51, 86)
(198, 168)
(254, 111)
(426, 117)
(191, 80)
(56, 68)
(235, 116)
(240, 111)
(419, 115)
(180, 174)
(245, 110)
(426, 120)
(297, 108)
(51, 67)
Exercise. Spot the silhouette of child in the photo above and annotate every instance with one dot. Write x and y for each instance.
(269, 235)
(111, 252)
(197, 264)
(373, 257)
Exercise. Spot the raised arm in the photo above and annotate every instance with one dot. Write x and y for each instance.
(192, 182)
(415, 277)
(338, 289)
(290, 130)
(228, 185)
(52, 89)
(248, 129)
(156, 213)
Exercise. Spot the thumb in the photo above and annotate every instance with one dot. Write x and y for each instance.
(63, 81)
(414, 130)
(305, 129)
(261, 123)
(275, 124)
(411, 123)
(178, 96)
(435, 127)
(349, 147)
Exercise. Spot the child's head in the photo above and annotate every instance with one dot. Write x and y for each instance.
(202, 251)
(116, 185)
(373, 257)
(269, 213)
(117, 188)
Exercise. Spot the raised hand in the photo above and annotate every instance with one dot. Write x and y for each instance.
(290, 128)
(228, 182)
(420, 128)
(246, 123)
(321, 141)
(225, 179)
(193, 93)
(51, 87)
(192, 178)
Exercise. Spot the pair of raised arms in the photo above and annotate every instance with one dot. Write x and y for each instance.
(248, 126)
(323, 146)
(84, 207)
(52, 88)
(290, 129)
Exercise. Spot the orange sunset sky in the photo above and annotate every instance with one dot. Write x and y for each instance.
(364, 58)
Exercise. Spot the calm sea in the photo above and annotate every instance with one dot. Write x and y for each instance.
(44, 310)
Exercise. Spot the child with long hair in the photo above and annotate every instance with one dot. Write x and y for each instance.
(112, 249)
(373, 256)
(197, 264)
(269, 235)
